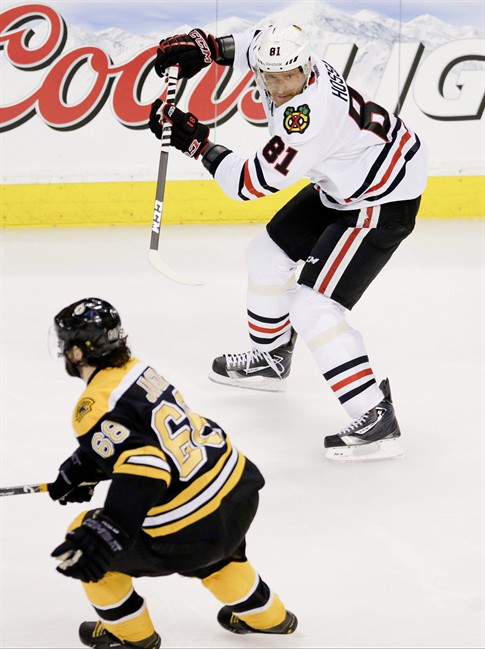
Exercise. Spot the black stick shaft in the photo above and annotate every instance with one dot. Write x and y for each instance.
(172, 76)
(23, 489)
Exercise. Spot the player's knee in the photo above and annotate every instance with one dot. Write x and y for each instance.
(311, 309)
(266, 261)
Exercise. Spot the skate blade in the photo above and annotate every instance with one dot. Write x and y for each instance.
(388, 449)
(252, 383)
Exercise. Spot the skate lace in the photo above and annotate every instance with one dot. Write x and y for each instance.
(351, 428)
(245, 359)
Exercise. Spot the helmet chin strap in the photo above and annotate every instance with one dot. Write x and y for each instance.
(72, 368)
(308, 76)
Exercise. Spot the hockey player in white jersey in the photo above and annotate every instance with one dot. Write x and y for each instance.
(367, 172)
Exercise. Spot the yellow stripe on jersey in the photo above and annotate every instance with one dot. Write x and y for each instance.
(146, 461)
(204, 504)
(195, 487)
(102, 394)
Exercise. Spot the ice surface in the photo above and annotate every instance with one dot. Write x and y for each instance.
(384, 554)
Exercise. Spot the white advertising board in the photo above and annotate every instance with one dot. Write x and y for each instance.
(75, 97)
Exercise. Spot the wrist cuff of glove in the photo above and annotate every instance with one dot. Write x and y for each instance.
(213, 156)
(225, 50)
(109, 532)
(60, 487)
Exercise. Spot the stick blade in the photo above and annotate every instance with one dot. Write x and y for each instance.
(163, 268)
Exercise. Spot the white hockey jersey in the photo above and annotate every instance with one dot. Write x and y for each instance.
(352, 149)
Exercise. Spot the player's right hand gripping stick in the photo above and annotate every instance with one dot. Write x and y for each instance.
(188, 134)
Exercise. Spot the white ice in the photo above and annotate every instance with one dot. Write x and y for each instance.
(384, 554)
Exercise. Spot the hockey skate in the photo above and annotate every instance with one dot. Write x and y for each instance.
(255, 370)
(229, 621)
(374, 436)
(95, 634)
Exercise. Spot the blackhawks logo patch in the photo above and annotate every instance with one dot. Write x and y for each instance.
(83, 407)
(296, 120)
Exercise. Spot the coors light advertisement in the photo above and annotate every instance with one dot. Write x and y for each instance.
(77, 87)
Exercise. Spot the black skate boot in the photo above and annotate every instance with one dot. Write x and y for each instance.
(229, 621)
(95, 634)
(374, 436)
(255, 369)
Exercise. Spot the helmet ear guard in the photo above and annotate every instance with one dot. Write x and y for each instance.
(91, 323)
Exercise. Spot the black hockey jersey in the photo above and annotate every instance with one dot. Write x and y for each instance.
(131, 421)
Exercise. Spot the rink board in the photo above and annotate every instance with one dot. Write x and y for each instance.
(193, 201)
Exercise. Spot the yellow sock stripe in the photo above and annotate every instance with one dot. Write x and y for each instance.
(232, 583)
(272, 614)
(112, 590)
(133, 630)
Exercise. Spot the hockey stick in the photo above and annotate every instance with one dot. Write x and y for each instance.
(154, 254)
(23, 489)
(33, 488)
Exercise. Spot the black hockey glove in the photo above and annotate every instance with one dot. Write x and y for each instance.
(81, 494)
(188, 134)
(191, 52)
(76, 480)
(89, 550)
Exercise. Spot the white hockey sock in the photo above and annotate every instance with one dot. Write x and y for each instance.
(271, 289)
(338, 350)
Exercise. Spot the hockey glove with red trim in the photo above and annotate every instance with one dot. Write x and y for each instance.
(191, 52)
(188, 134)
(89, 550)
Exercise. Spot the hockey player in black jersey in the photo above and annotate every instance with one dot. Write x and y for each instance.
(181, 497)
(367, 171)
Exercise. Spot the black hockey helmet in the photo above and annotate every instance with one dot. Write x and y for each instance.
(91, 322)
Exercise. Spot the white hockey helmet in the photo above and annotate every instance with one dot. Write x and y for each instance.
(283, 48)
